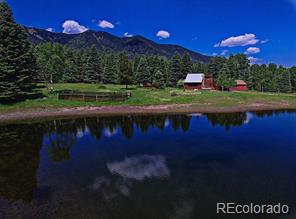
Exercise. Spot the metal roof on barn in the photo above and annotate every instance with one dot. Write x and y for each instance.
(240, 82)
(194, 78)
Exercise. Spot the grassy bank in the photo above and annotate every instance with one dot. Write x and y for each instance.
(145, 96)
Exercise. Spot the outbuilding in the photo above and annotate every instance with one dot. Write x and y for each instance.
(194, 81)
(240, 86)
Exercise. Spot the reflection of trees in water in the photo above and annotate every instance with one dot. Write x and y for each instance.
(62, 135)
(19, 160)
(227, 119)
(272, 113)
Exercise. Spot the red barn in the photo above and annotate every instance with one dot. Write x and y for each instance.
(240, 86)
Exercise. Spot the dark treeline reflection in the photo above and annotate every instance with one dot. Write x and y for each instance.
(19, 160)
(20, 145)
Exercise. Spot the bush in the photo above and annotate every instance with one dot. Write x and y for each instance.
(174, 94)
(180, 83)
(101, 86)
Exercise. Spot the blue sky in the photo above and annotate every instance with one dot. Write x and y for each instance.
(266, 27)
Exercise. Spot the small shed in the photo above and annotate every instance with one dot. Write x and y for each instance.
(194, 81)
(240, 86)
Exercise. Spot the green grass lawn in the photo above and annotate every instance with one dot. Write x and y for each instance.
(148, 96)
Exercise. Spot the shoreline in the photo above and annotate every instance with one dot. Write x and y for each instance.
(38, 114)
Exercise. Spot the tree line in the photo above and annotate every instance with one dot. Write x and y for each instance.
(59, 63)
(264, 78)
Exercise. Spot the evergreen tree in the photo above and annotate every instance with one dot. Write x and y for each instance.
(175, 70)
(70, 67)
(224, 79)
(187, 65)
(284, 83)
(159, 80)
(200, 67)
(111, 69)
(216, 65)
(233, 65)
(17, 62)
(93, 73)
(143, 74)
(125, 70)
(80, 65)
(243, 65)
(293, 78)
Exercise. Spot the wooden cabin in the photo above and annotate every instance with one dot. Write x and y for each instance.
(194, 81)
(199, 82)
(240, 86)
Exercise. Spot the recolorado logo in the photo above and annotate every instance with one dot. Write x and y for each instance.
(251, 208)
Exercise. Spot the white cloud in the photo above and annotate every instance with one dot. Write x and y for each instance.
(253, 60)
(264, 41)
(140, 167)
(127, 35)
(252, 50)
(110, 132)
(106, 24)
(224, 52)
(163, 34)
(243, 40)
(50, 29)
(73, 27)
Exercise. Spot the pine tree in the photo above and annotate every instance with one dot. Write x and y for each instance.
(187, 65)
(224, 79)
(93, 73)
(293, 78)
(125, 70)
(243, 68)
(70, 67)
(80, 65)
(17, 62)
(175, 70)
(284, 83)
(111, 69)
(159, 80)
(232, 65)
(143, 72)
(215, 65)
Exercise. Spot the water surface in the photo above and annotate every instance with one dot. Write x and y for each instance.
(138, 167)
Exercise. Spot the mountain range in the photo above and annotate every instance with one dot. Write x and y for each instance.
(136, 45)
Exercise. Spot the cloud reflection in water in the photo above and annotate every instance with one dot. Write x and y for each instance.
(141, 167)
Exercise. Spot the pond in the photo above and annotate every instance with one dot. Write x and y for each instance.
(138, 167)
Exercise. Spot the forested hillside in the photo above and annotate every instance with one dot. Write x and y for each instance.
(105, 42)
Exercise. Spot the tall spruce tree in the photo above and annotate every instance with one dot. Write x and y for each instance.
(293, 78)
(93, 73)
(216, 65)
(159, 80)
(70, 67)
(111, 69)
(187, 65)
(284, 82)
(143, 72)
(17, 62)
(175, 70)
(125, 70)
(224, 79)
